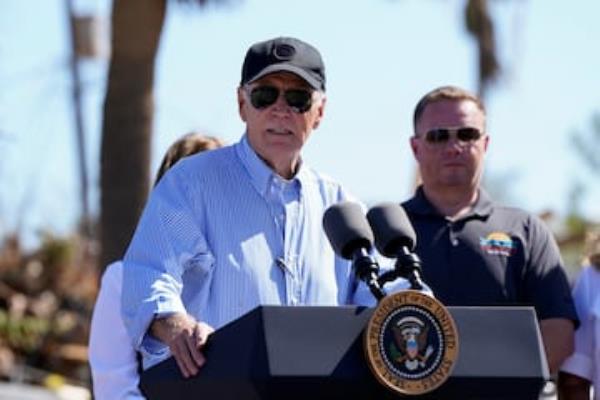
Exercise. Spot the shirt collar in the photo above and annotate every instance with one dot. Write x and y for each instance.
(483, 206)
(261, 175)
(419, 204)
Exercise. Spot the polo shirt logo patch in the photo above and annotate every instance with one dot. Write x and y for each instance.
(497, 243)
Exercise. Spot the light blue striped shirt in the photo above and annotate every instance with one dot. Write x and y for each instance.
(222, 234)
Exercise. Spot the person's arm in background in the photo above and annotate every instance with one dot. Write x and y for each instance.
(577, 371)
(547, 288)
(113, 359)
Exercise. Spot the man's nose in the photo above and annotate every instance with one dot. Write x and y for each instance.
(280, 105)
(454, 146)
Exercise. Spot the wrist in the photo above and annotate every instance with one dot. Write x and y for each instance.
(165, 327)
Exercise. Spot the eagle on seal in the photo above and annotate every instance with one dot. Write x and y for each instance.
(410, 337)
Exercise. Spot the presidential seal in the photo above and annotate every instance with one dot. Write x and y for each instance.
(411, 343)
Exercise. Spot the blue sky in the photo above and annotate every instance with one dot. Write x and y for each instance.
(381, 57)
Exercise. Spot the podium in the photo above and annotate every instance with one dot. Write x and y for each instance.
(277, 352)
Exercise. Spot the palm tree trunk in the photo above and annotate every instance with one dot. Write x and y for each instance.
(480, 24)
(127, 123)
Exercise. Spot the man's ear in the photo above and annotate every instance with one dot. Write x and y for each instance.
(320, 112)
(414, 145)
(241, 99)
(486, 142)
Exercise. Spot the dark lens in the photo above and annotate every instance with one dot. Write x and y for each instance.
(263, 96)
(437, 135)
(468, 134)
(299, 99)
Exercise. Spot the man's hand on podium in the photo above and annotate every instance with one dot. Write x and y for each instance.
(185, 338)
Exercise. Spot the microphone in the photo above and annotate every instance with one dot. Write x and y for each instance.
(352, 239)
(396, 238)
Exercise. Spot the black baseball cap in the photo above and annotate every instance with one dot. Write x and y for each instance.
(284, 54)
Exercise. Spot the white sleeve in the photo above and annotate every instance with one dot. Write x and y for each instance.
(112, 357)
(581, 362)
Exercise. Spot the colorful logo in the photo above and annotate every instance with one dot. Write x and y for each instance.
(411, 343)
(497, 243)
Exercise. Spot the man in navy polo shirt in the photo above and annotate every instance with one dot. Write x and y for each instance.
(475, 251)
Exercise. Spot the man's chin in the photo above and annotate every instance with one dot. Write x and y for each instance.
(456, 181)
(284, 143)
(282, 148)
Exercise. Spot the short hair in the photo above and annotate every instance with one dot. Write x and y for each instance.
(187, 145)
(444, 93)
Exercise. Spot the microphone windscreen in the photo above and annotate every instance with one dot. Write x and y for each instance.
(347, 229)
(392, 229)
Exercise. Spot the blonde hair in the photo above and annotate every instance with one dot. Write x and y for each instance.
(187, 145)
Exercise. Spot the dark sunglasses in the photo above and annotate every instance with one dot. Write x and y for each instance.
(300, 100)
(442, 135)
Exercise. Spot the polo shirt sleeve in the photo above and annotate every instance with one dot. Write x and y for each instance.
(167, 240)
(546, 284)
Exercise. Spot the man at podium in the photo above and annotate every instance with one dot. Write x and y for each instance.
(240, 226)
(476, 252)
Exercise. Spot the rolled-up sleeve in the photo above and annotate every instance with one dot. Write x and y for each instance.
(168, 236)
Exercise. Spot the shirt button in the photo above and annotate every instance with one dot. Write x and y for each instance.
(454, 242)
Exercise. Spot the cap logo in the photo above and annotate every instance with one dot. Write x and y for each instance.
(284, 52)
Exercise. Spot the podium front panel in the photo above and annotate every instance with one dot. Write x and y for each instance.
(317, 352)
